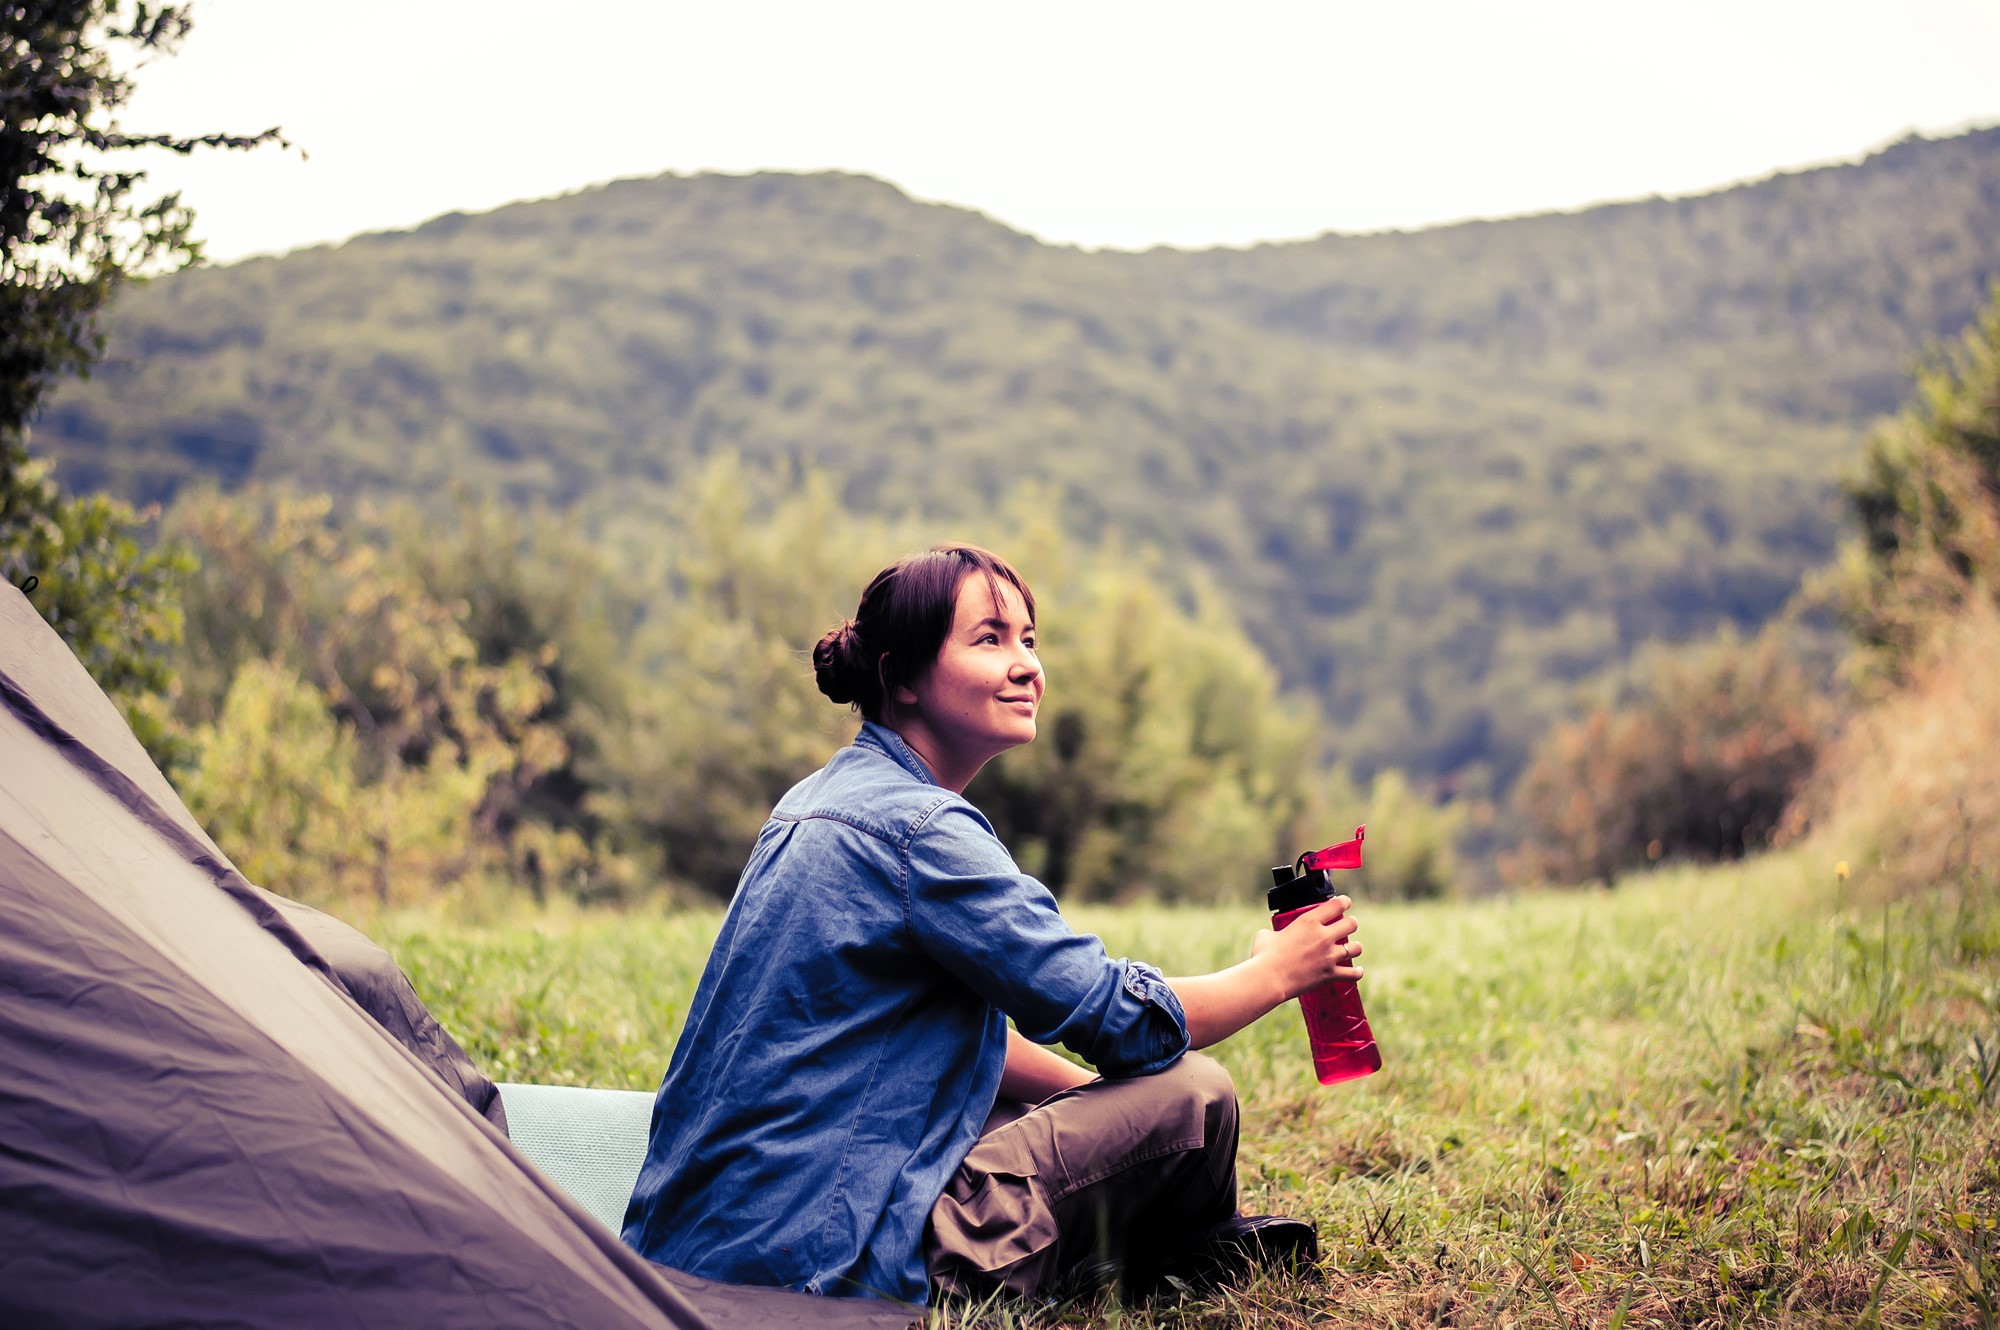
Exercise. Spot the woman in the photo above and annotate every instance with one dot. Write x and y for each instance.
(822, 1123)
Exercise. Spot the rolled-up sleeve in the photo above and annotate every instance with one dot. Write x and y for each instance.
(999, 932)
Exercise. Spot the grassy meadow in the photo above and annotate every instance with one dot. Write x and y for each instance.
(1751, 1095)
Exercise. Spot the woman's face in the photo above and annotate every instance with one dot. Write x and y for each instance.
(979, 698)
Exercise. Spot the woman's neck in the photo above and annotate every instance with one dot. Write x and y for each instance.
(946, 769)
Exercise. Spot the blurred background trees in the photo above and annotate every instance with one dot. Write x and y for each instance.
(94, 575)
(1716, 749)
(345, 725)
(1699, 759)
(381, 708)
(384, 705)
(724, 714)
(1168, 761)
(74, 224)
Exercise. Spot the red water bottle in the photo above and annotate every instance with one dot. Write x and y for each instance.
(1343, 1046)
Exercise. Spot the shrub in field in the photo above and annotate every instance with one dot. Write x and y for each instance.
(1915, 781)
(1928, 498)
(1699, 762)
(533, 587)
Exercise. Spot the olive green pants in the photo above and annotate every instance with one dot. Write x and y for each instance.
(1062, 1191)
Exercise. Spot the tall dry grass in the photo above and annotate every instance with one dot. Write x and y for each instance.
(1913, 784)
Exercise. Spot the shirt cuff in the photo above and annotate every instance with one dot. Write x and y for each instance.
(1157, 1037)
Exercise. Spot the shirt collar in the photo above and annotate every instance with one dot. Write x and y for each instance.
(885, 740)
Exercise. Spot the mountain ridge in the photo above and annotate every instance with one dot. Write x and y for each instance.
(1445, 474)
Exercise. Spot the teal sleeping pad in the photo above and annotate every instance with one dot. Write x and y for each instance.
(589, 1142)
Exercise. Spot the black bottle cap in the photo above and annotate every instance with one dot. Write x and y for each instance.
(1295, 890)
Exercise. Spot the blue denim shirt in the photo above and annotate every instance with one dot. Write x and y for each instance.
(846, 1040)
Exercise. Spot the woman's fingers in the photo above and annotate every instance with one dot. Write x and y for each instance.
(1344, 967)
(1337, 928)
(1317, 947)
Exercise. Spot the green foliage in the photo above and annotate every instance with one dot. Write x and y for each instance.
(286, 788)
(109, 593)
(1698, 761)
(1169, 763)
(1440, 477)
(725, 716)
(1928, 499)
(1412, 851)
(535, 588)
(351, 741)
(1725, 1097)
(495, 695)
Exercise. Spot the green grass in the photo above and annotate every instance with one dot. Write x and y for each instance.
(1744, 1096)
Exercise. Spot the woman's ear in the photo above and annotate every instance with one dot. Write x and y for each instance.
(900, 695)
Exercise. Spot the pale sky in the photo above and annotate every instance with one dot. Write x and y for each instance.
(1103, 124)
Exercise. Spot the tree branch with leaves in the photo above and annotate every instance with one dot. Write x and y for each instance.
(75, 226)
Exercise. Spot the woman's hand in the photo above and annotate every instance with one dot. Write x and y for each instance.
(1313, 948)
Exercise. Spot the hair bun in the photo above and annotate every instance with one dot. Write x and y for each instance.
(837, 664)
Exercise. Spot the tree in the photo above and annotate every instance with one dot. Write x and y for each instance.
(725, 716)
(1928, 499)
(534, 587)
(73, 229)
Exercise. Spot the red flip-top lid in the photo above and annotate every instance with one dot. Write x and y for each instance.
(1347, 854)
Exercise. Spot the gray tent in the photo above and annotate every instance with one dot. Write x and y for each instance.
(218, 1107)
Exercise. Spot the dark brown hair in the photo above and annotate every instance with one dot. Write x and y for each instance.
(904, 617)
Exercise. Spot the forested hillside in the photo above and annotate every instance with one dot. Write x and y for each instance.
(1445, 475)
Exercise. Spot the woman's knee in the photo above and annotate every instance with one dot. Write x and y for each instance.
(1208, 1084)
